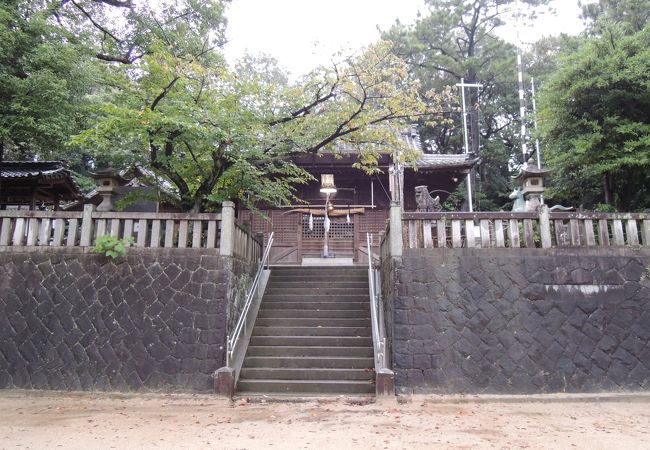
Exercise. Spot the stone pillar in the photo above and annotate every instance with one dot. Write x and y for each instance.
(87, 226)
(396, 243)
(545, 226)
(227, 240)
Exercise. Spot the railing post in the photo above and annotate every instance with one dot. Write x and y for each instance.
(545, 226)
(87, 226)
(396, 242)
(227, 239)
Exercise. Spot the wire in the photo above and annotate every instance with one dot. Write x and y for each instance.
(382, 186)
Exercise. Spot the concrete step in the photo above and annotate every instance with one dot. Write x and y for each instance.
(310, 351)
(312, 334)
(318, 270)
(279, 297)
(305, 386)
(312, 322)
(320, 284)
(315, 313)
(274, 373)
(303, 278)
(312, 341)
(314, 305)
(311, 331)
(343, 276)
(307, 362)
(307, 290)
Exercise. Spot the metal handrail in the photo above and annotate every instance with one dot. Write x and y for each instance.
(378, 336)
(232, 341)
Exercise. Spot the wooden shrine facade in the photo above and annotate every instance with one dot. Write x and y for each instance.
(359, 206)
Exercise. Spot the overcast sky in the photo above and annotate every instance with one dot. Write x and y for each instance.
(302, 34)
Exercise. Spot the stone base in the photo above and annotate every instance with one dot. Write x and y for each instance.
(385, 383)
(224, 382)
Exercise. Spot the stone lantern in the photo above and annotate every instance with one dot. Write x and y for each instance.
(531, 179)
(108, 180)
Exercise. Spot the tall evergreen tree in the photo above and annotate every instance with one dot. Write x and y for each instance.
(595, 121)
(455, 40)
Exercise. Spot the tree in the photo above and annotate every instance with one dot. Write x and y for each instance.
(456, 40)
(218, 134)
(45, 78)
(163, 97)
(173, 105)
(595, 123)
(631, 16)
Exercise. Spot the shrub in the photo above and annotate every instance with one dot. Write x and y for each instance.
(112, 246)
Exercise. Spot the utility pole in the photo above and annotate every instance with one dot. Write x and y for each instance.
(538, 154)
(520, 77)
(462, 85)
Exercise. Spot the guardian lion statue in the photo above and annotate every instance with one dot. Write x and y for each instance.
(424, 201)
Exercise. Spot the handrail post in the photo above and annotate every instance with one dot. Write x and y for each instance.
(384, 377)
(227, 238)
(396, 243)
(225, 378)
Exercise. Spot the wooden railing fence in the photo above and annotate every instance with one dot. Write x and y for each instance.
(21, 228)
(246, 245)
(530, 230)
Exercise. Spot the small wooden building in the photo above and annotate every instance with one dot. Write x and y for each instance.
(32, 184)
(359, 206)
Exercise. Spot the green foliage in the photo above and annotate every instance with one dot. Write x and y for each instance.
(127, 83)
(629, 15)
(217, 134)
(595, 123)
(46, 76)
(604, 208)
(456, 40)
(112, 246)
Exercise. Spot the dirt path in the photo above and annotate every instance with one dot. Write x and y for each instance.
(97, 421)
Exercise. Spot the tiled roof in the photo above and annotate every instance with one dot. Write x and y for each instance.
(33, 169)
(410, 137)
(54, 172)
(440, 161)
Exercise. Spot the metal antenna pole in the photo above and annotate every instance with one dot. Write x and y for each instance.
(462, 86)
(520, 76)
(539, 159)
(538, 155)
(469, 175)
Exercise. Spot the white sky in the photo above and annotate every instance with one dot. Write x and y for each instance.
(302, 34)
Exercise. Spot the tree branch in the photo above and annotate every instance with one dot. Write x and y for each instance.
(307, 109)
(164, 92)
(117, 3)
(94, 23)
(110, 58)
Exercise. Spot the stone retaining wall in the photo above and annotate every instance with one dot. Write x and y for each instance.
(530, 321)
(155, 320)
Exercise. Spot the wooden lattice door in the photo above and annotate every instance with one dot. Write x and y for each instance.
(341, 237)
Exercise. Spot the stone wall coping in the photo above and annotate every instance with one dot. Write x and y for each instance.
(527, 252)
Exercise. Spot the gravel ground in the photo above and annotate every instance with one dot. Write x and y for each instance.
(45, 420)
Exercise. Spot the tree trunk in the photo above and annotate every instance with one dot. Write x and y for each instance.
(474, 127)
(607, 187)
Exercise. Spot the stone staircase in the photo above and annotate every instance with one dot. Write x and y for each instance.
(312, 335)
